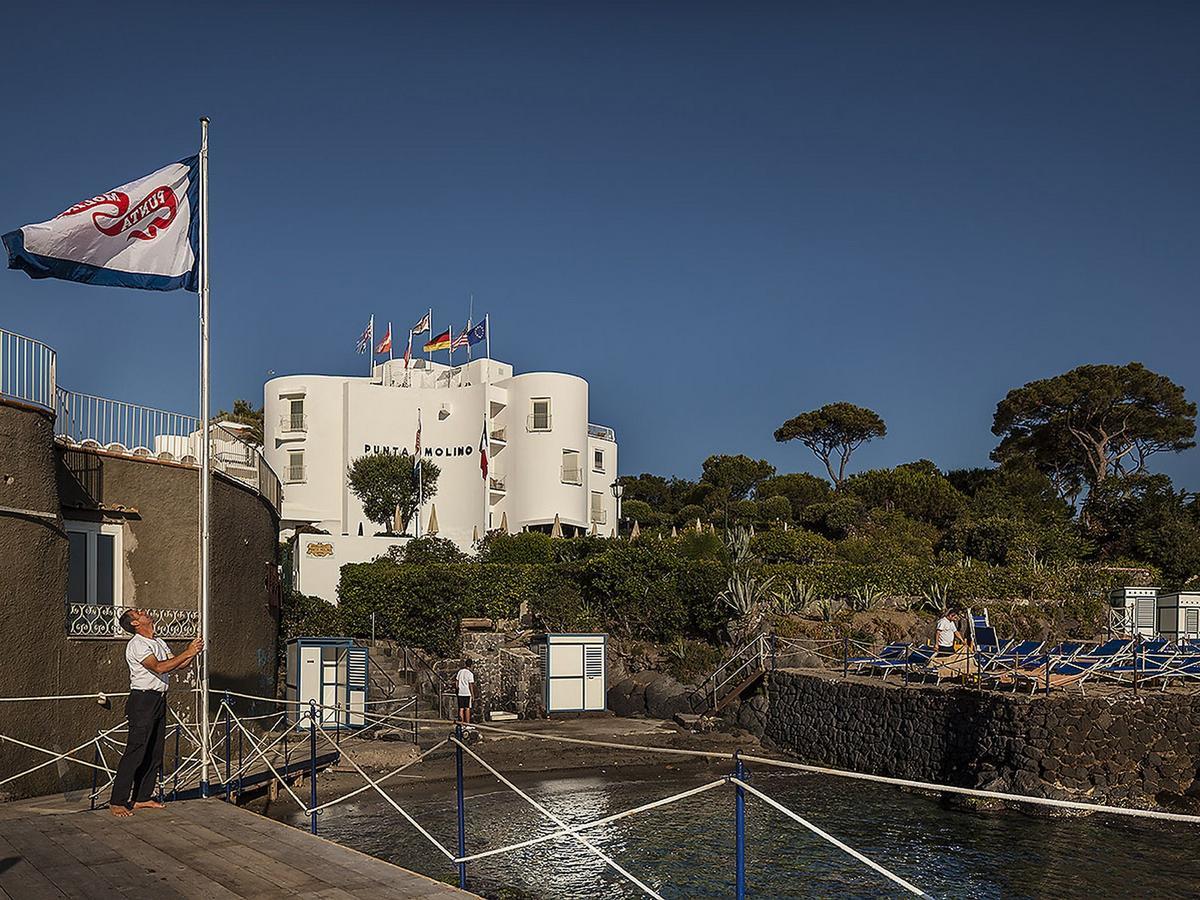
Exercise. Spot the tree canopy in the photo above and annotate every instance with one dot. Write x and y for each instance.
(834, 429)
(387, 482)
(1092, 422)
(739, 475)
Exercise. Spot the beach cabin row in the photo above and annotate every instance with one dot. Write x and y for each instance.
(1144, 612)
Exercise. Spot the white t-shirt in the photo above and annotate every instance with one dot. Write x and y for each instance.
(141, 678)
(465, 679)
(945, 632)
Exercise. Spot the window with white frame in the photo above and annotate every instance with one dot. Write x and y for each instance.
(539, 414)
(598, 512)
(93, 563)
(572, 470)
(295, 466)
(597, 460)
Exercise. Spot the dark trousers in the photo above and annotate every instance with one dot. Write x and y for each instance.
(142, 760)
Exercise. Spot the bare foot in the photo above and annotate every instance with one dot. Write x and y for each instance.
(120, 811)
(148, 804)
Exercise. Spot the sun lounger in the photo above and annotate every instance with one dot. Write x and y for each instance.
(893, 651)
(1060, 672)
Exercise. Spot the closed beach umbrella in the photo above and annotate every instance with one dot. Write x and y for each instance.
(474, 534)
(504, 522)
(556, 531)
(432, 529)
(636, 531)
(674, 533)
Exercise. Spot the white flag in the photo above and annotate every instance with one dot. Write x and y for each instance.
(144, 234)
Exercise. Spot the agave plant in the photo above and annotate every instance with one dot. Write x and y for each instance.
(794, 596)
(866, 597)
(936, 597)
(824, 609)
(746, 597)
(737, 541)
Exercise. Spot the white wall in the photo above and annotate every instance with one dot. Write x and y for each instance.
(319, 558)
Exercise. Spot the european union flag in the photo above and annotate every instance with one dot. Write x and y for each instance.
(477, 334)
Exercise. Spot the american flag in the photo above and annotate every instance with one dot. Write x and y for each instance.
(364, 340)
(462, 340)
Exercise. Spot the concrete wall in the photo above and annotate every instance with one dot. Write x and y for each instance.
(160, 561)
(1141, 750)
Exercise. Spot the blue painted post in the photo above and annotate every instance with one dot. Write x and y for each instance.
(227, 789)
(96, 760)
(462, 808)
(740, 826)
(239, 789)
(312, 766)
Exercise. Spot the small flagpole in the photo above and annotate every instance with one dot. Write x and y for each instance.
(420, 472)
(389, 341)
(371, 344)
(431, 331)
(205, 462)
(470, 322)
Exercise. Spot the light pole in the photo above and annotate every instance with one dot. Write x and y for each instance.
(617, 490)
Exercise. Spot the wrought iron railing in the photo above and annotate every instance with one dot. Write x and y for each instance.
(600, 516)
(572, 475)
(496, 483)
(500, 434)
(603, 432)
(88, 620)
(27, 370)
(294, 474)
(538, 422)
(293, 422)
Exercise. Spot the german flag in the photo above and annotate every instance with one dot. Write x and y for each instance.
(441, 342)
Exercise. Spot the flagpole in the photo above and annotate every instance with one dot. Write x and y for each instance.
(420, 474)
(431, 331)
(205, 462)
(470, 322)
(371, 345)
(389, 341)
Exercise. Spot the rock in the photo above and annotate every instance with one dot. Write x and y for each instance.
(665, 697)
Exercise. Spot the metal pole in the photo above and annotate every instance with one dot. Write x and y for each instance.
(239, 787)
(462, 808)
(740, 826)
(312, 765)
(96, 760)
(175, 780)
(205, 463)
(227, 747)
(1137, 660)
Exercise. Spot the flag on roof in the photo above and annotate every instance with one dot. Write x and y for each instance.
(364, 339)
(477, 333)
(385, 346)
(441, 342)
(144, 234)
(461, 340)
(422, 326)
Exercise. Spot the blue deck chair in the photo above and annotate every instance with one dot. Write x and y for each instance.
(917, 659)
(893, 651)
(1079, 666)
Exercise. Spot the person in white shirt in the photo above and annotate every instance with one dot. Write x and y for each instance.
(947, 631)
(150, 662)
(465, 679)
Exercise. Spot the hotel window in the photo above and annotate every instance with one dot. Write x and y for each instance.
(295, 466)
(539, 416)
(599, 514)
(93, 563)
(295, 421)
(572, 472)
(598, 460)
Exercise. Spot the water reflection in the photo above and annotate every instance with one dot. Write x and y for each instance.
(686, 849)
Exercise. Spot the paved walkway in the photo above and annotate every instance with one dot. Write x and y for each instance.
(199, 848)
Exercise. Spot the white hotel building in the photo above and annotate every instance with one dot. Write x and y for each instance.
(545, 459)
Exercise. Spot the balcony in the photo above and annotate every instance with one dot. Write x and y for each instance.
(496, 484)
(572, 475)
(602, 432)
(293, 422)
(294, 474)
(599, 516)
(537, 422)
(498, 436)
(88, 620)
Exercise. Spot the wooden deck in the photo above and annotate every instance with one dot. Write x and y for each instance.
(195, 848)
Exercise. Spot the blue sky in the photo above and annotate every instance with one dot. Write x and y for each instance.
(721, 215)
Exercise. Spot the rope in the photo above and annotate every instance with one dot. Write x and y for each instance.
(274, 771)
(358, 791)
(557, 821)
(400, 809)
(54, 759)
(99, 695)
(826, 836)
(596, 823)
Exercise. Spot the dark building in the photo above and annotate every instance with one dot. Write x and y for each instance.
(99, 511)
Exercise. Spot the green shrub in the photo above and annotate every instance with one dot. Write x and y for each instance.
(641, 512)
(304, 616)
(690, 662)
(702, 545)
(744, 511)
(524, 548)
(794, 546)
(425, 550)
(775, 509)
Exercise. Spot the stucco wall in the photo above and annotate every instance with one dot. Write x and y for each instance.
(159, 541)
(1140, 750)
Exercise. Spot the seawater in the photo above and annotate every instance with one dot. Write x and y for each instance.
(687, 849)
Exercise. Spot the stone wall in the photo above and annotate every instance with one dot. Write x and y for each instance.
(508, 679)
(1121, 750)
(156, 506)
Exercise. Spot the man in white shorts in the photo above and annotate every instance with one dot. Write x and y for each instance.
(150, 662)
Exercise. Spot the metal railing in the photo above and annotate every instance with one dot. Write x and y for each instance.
(143, 431)
(536, 422)
(27, 369)
(89, 620)
(293, 422)
(500, 434)
(745, 663)
(600, 516)
(603, 432)
(572, 475)
(294, 474)
(496, 483)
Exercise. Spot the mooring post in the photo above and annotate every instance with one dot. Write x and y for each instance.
(96, 760)
(227, 747)
(462, 807)
(740, 825)
(312, 764)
